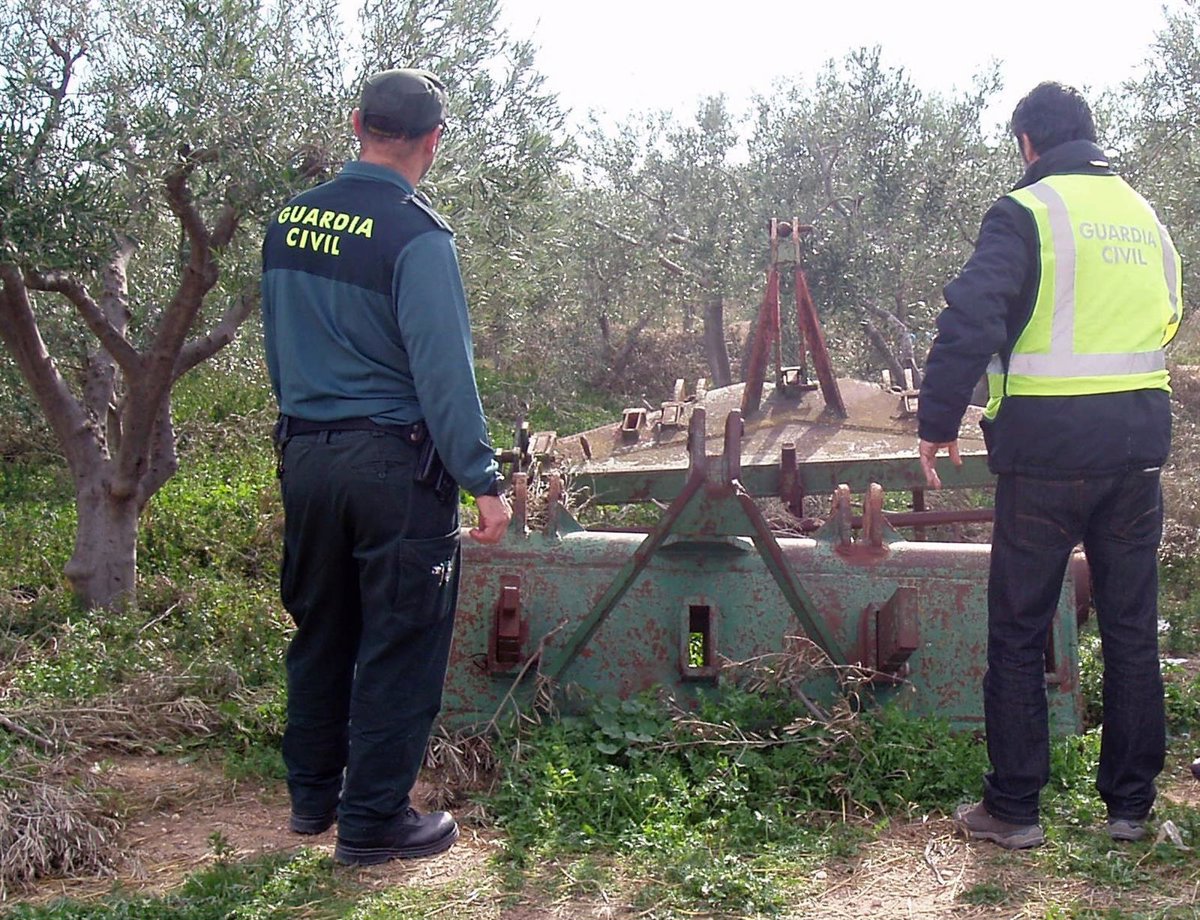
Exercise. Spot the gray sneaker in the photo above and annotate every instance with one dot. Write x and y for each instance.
(973, 819)
(1126, 829)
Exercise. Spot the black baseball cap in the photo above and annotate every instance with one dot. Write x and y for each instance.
(402, 103)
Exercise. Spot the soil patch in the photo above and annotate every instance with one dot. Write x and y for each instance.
(178, 815)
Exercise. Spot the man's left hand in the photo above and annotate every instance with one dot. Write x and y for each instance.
(494, 515)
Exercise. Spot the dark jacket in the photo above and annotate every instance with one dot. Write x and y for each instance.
(987, 306)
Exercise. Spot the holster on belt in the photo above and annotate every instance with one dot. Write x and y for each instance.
(431, 472)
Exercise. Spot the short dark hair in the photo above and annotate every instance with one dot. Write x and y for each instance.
(1052, 114)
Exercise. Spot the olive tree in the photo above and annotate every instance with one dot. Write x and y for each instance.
(499, 178)
(661, 213)
(894, 181)
(144, 143)
(1156, 127)
(147, 141)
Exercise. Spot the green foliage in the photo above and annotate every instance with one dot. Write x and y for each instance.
(1179, 602)
(1091, 675)
(270, 888)
(214, 518)
(206, 620)
(984, 893)
(1182, 690)
(229, 395)
(920, 762)
(37, 516)
(708, 805)
(709, 815)
(1087, 854)
(1181, 684)
(1071, 793)
(78, 665)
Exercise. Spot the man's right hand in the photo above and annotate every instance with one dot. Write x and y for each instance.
(494, 515)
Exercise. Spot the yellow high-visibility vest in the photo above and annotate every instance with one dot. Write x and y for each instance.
(1108, 296)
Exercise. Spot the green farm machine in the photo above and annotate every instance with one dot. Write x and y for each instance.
(865, 595)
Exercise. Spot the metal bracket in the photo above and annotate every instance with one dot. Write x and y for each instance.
(675, 411)
(541, 446)
(509, 631)
(794, 380)
(672, 417)
(908, 392)
(632, 422)
(888, 636)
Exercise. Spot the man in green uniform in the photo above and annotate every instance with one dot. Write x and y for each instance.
(1068, 300)
(368, 345)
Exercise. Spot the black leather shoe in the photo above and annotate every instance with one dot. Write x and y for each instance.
(410, 835)
(312, 824)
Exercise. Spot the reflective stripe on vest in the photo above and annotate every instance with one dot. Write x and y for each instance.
(1051, 355)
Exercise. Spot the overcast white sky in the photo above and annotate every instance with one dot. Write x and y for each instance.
(619, 56)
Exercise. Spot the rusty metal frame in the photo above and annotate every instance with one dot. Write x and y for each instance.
(728, 499)
(768, 336)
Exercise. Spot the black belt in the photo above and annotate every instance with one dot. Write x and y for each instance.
(291, 426)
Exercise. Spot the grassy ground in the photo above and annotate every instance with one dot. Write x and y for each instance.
(748, 808)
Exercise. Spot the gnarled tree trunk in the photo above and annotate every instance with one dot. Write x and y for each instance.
(116, 433)
(103, 567)
(715, 348)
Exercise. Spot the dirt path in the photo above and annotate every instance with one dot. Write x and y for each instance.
(180, 815)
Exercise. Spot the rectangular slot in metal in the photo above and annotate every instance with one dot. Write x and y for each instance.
(698, 642)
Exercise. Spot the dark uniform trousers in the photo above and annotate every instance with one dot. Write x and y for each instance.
(1038, 522)
(370, 577)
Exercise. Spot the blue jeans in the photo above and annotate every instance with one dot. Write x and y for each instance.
(370, 577)
(1038, 523)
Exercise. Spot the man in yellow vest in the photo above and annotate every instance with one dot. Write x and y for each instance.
(1067, 302)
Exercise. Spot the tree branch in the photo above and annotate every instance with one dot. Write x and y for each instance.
(73, 289)
(622, 356)
(164, 461)
(876, 338)
(19, 330)
(226, 226)
(903, 355)
(673, 267)
(57, 94)
(826, 165)
(200, 350)
(149, 394)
